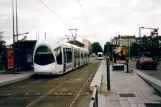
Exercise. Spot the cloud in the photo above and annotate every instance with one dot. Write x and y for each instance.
(106, 17)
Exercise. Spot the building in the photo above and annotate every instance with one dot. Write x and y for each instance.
(123, 40)
(87, 45)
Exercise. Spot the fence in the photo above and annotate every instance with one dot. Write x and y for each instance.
(94, 99)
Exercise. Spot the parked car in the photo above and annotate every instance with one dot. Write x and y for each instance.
(146, 62)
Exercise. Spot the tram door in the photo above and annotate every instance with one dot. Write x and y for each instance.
(65, 59)
(75, 56)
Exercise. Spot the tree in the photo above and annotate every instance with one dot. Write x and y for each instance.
(105, 49)
(148, 46)
(109, 48)
(1, 35)
(134, 49)
(96, 47)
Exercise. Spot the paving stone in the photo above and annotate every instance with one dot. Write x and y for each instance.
(102, 101)
(130, 100)
(138, 100)
(112, 97)
(125, 105)
(155, 102)
(133, 105)
(141, 105)
(113, 104)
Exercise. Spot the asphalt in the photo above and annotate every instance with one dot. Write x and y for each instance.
(153, 73)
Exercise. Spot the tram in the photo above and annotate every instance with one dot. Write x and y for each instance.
(57, 57)
(100, 56)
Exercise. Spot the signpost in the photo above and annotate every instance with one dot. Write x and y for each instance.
(108, 67)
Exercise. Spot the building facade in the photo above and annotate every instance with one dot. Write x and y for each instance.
(87, 45)
(123, 40)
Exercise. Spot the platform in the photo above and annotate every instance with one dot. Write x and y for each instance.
(127, 90)
(6, 79)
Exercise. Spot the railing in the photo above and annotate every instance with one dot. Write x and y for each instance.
(94, 99)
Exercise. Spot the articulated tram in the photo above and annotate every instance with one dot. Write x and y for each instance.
(58, 57)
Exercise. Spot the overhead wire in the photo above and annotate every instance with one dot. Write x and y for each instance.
(84, 14)
(53, 12)
(61, 18)
(85, 17)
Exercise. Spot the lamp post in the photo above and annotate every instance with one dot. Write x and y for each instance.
(13, 21)
(140, 31)
(22, 34)
(16, 22)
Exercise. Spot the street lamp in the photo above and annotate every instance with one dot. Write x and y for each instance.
(155, 30)
(140, 31)
(21, 34)
(15, 21)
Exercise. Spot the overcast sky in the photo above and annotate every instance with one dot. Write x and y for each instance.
(106, 17)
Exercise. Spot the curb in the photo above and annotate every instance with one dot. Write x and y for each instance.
(97, 79)
(155, 83)
(14, 80)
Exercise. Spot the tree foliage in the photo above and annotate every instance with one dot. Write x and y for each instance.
(149, 46)
(2, 52)
(96, 47)
(134, 49)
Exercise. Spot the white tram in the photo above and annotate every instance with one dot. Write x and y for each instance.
(100, 56)
(53, 57)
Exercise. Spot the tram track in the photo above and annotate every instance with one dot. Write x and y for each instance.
(28, 91)
(77, 95)
(58, 86)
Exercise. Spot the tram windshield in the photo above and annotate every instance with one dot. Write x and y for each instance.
(43, 56)
(100, 55)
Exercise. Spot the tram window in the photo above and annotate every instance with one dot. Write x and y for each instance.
(85, 55)
(58, 54)
(43, 56)
(82, 55)
(77, 53)
(69, 55)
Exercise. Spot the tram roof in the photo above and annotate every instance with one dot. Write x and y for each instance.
(56, 43)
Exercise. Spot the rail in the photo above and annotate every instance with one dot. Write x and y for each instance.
(94, 99)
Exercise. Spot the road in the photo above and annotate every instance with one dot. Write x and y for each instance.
(154, 73)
